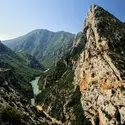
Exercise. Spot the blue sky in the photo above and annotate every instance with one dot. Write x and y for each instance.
(18, 17)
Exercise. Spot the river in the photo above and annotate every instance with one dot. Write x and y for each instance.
(35, 88)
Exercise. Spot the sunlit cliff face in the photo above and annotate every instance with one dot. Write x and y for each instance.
(97, 73)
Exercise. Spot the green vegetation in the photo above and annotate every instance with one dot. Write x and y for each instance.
(64, 78)
(10, 116)
(45, 45)
(109, 26)
(59, 78)
(19, 66)
(113, 30)
(57, 89)
(55, 75)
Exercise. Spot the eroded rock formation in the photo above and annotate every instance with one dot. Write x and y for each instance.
(100, 69)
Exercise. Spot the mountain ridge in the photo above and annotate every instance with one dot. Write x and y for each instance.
(45, 45)
(100, 68)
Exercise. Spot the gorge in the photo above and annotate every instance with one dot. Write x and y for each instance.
(85, 83)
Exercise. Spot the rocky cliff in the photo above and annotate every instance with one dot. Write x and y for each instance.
(60, 96)
(100, 69)
(87, 84)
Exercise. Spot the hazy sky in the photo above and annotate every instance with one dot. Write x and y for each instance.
(18, 17)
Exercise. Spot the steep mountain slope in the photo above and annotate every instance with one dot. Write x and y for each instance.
(60, 96)
(15, 109)
(100, 70)
(91, 76)
(45, 45)
(31, 61)
(23, 68)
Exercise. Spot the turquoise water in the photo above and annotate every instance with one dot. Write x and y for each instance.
(35, 87)
(33, 101)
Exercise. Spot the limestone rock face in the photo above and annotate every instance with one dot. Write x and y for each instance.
(100, 69)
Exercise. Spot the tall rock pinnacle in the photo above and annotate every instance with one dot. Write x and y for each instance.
(100, 70)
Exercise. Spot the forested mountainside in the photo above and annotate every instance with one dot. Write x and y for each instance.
(16, 72)
(24, 67)
(87, 85)
(46, 46)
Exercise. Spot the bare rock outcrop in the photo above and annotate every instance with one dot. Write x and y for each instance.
(100, 69)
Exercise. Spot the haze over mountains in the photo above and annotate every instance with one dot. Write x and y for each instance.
(46, 46)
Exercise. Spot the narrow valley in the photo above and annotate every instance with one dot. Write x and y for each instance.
(60, 78)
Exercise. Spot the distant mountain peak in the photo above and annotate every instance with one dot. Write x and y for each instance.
(45, 45)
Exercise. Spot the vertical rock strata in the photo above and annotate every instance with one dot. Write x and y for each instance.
(100, 69)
